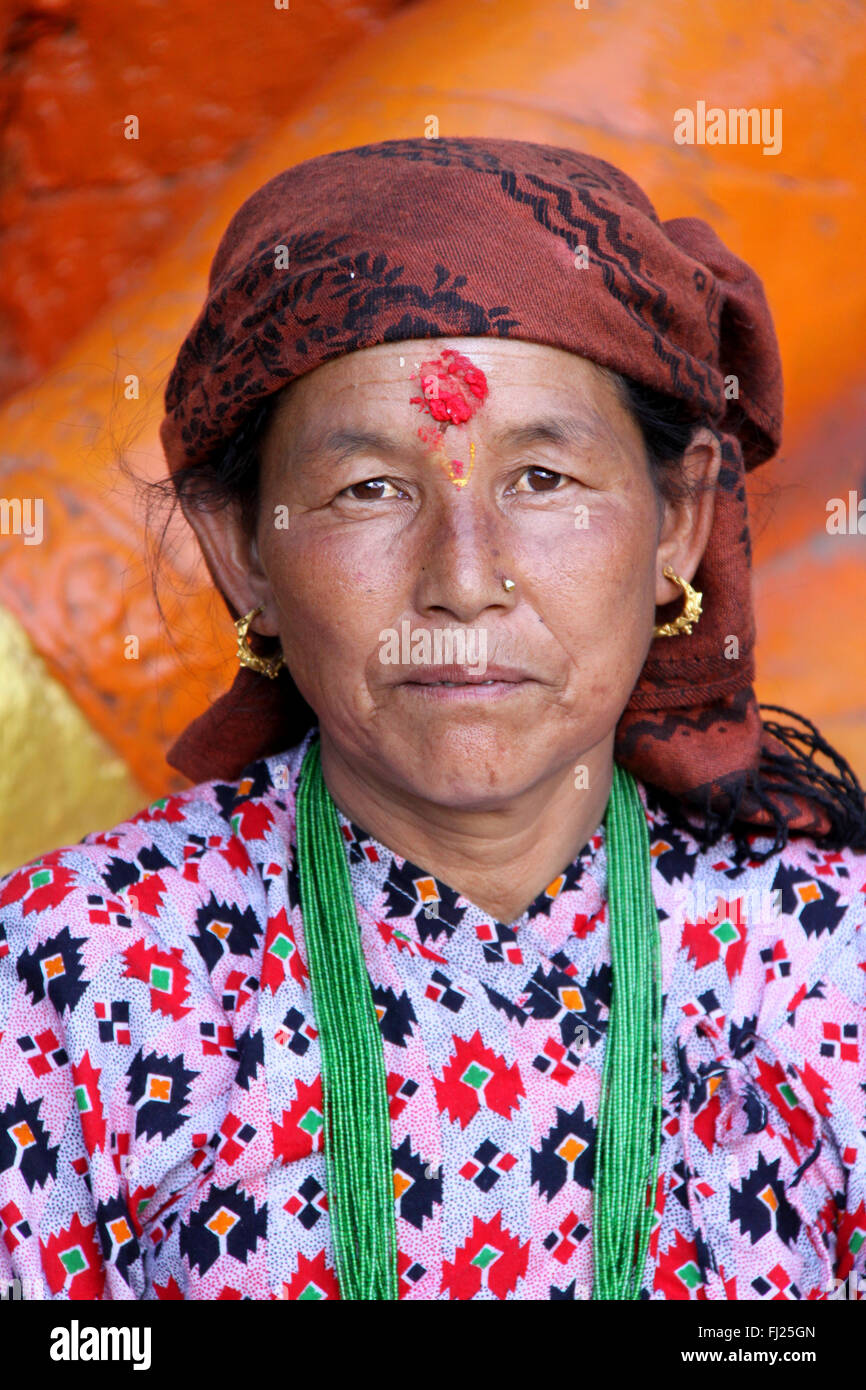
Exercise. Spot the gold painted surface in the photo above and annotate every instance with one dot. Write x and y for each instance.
(58, 779)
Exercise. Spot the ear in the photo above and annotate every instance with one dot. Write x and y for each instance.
(232, 557)
(687, 521)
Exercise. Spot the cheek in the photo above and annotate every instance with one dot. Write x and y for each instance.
(594, 590)
(335, 595)
(601, 556)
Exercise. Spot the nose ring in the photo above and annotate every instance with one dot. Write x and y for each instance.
(508, 584)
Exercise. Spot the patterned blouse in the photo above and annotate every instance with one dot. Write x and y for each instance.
(160, 1090)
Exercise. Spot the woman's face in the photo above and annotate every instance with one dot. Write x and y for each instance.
(384, 519)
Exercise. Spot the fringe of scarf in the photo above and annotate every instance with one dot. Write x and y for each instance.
(779, 790)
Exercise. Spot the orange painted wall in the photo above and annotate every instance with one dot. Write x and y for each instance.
(86, 210)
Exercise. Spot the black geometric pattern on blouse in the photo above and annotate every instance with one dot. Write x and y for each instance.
(234, 1220)
(807, 1162)
(244, 929)
(310, 1213)
(550, 1169)
(756, 1215)
(839, 870)
(543, 987)
(824, 914)
(127, 1252)
(571, 1229)
(402, 900)
(359, 844)
(513, 1012)
(816, 992)
(159, 1105)
(424, 1193)
(820, 915)
(764, 1289)
(699, 1092)
(488, 1174)
(168, 1222)
(256, 780)
(251, 1056)
(299, 1032)
(398, 1017)
(293, 880)
(682, 1083)
(572, 874)
(743, 1036)
(449, 997)
(755, 1108)
(704, 1256)
(119, 874)
(681, 1190)
(22, 1132)
(679, 861)
(494, 952)
(543, 1000)
(65, 975)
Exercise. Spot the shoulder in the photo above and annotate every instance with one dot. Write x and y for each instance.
(774, 947)
(813, 894)
(185, 874)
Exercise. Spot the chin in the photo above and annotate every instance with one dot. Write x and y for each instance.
(467, 767)
(459, 790)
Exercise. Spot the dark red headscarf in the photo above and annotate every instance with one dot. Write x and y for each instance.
(473, 236)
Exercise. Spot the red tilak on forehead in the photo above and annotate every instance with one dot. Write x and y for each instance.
(453, 387)
(453, 390)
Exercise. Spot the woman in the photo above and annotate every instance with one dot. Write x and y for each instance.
(498, 950)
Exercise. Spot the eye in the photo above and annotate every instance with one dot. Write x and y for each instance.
(545, 478)
(372, 490)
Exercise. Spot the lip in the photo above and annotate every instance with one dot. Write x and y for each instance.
(473, 690)
(466, 676)
(494, 683)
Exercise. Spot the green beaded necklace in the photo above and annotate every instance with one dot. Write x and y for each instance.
(357, 1128)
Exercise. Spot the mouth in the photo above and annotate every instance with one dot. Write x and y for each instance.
(494, 683)
(453, 677)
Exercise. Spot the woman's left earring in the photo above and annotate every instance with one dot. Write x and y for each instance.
(265, 665)
(691, 608)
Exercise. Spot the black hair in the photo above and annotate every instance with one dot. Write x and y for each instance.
(230, 477)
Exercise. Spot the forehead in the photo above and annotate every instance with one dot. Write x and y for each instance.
(378, 383)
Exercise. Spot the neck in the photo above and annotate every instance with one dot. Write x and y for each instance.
(498, 859)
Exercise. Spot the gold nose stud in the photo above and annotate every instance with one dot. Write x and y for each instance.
(508, 585)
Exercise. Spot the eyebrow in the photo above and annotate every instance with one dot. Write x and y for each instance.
(346, 444)
(569, 431)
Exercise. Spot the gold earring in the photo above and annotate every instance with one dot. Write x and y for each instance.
(691, 609)
(265, 665)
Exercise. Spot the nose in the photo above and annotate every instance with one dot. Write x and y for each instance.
(463, 558)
